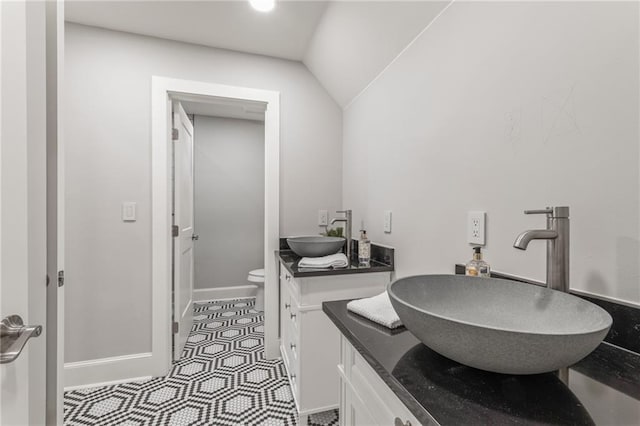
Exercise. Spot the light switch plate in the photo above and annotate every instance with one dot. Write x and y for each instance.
(475, 227)
(387, 221)
(128, 212)
(323, 218)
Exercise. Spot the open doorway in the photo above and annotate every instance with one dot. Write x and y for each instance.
(228, 202)
(206, 100)
(218, 207)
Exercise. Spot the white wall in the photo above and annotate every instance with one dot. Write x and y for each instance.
(506, 106)
(107, 131)
(229, 200)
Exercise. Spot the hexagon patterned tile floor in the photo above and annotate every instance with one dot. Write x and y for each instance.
(221, 379)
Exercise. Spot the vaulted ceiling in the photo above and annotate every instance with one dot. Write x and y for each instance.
(345, 44)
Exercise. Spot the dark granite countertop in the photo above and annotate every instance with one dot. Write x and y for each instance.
(604, 388)
(382, 261)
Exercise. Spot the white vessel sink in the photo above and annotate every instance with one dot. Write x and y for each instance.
(499, 325)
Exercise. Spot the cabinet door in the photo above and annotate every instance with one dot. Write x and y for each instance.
(357, 412)
(371, 395)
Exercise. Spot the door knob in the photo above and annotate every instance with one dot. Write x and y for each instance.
(13, 336)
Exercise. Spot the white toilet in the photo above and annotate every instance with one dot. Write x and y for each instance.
(257, 276)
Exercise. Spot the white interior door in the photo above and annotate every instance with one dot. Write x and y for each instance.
(183, 222)
(23, 117)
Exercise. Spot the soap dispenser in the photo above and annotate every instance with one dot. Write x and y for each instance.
(477, 267)
(364, 250)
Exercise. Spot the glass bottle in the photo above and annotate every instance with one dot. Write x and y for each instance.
(364, 250)
(477, 267)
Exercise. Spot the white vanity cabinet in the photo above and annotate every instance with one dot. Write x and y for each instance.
(309, 342)
(365, 399)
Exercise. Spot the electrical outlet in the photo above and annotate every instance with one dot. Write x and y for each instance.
(323, 218)
(387, 221)
(475, 227)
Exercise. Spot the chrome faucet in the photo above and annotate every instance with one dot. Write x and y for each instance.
(557, 236)
(347, 231)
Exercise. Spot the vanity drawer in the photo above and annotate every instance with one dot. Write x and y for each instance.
(285, 299)
(292, 367)
(288, 283)
(295, 389)
(289, 314)
(291, 284)
(290, 356)
(292, 345)
(293, 316)
(285, 303)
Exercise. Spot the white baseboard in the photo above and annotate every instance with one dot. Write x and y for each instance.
(107, 371)
(222, 293)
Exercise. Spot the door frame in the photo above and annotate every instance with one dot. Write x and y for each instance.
(32, 203)
(55, 187)
(163, 91)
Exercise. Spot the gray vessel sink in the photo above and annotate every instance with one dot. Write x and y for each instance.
(316, 246)
(499, 325)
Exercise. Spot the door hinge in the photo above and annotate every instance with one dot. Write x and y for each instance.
(175, 230)
(175, 135)
(175, 327)
(60, 278)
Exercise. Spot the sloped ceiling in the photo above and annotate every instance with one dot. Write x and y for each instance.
(355, 41)
(283, 33)
(345, 44)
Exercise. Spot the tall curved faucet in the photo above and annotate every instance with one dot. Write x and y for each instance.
(557, 236)
(347, 225)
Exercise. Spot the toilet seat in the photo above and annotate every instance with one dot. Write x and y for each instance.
(256, 276)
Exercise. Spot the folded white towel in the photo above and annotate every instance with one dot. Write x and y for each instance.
(377, 309)
(338, 260)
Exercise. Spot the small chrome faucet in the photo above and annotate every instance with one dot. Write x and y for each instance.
(557, 236)
(347, 231)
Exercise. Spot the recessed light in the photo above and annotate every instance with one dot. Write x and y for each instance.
(263, 5)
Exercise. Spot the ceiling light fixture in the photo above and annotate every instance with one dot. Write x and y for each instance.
(263, 5)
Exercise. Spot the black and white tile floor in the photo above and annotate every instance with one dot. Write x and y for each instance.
(221, 379)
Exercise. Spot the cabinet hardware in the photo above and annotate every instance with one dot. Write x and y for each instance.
(287, 305)
(293, 316)
(398, 422)
(292, 346)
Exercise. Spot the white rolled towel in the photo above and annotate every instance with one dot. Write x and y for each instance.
(338, 260)
(377, 309)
